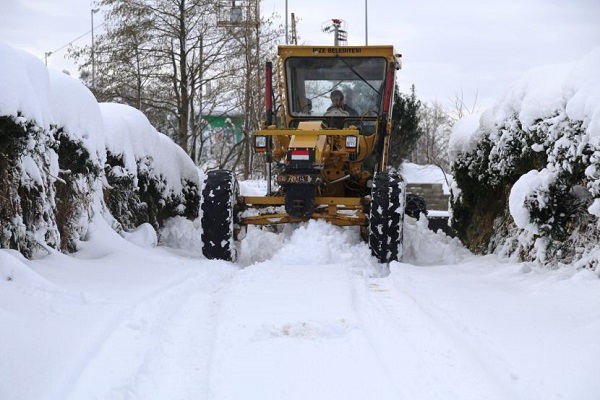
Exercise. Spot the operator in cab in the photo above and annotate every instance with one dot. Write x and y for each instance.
(337, 104)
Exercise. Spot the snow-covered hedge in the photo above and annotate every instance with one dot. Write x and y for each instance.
(81, 156)
(150, 177)
(527, 171)
(61, 154)
(52, 155)
(28, 160)
(28, 166)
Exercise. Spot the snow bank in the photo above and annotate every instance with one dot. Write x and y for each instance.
(47, 97)
(15, 271)
(27, 154)
(422, 246)
(130, 134)
(75, 109)
(539, 95)
(314, 242)
(58, 137)
(24, 86)
(544, 90)
(584, 83)
(143, 236)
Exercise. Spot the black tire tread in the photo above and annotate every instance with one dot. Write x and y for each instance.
(386, 217)
(218, 200)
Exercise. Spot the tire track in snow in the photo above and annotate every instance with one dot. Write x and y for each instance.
(142, 351)
(426, 354)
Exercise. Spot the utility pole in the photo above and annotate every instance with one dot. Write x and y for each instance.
(93, 11)
(286, 21)
(339, 35)
(294, 34)
(366, 26)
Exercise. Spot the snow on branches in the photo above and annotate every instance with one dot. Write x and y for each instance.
(527, 183)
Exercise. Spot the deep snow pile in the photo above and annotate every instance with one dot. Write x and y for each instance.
(55, 172)
(526, 169)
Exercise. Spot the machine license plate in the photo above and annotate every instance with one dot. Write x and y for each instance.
(305, 179)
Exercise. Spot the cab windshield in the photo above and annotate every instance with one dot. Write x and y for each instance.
(312, 80)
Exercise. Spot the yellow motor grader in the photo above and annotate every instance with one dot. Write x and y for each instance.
(325, 140)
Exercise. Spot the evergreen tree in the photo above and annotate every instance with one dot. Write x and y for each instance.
(406, 129)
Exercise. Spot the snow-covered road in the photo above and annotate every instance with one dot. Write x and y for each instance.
(304, 314)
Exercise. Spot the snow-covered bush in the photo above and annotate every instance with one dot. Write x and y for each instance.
(28, 162)
(150, 178)
(53, 157)
(52, 149)
(28, 166)
(79, 143)
(521, 173)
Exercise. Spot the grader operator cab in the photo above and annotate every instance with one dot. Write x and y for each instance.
(325, 141)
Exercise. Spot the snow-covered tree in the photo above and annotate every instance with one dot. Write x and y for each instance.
(525, 172)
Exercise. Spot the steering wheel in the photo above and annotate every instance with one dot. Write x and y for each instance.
(336, 112)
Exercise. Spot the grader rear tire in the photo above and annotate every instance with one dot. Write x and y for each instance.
(388, 199)
(219, 198)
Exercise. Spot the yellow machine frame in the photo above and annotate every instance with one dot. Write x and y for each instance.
(333, 206)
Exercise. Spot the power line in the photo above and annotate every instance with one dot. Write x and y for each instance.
(69, 43)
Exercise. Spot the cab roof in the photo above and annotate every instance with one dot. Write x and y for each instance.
(386, 51)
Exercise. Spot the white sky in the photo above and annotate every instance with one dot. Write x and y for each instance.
(448, 47)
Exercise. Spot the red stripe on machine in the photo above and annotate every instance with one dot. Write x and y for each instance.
(301, 154)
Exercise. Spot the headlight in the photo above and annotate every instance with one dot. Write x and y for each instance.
(260, 143)
(351, 142)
